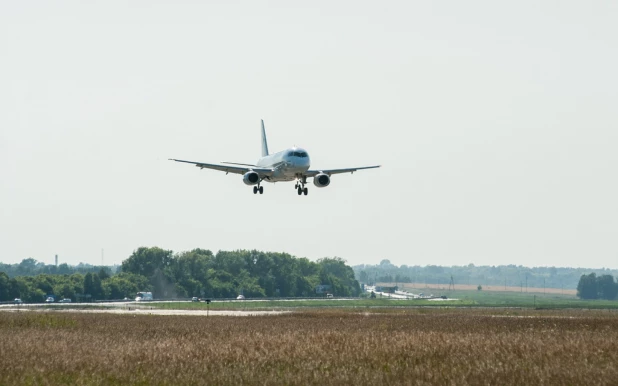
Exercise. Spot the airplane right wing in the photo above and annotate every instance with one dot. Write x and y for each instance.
(313, 173)
(229, 169)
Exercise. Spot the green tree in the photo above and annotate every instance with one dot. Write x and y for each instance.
(27, 267)
(97, 288)
(125, 285)
(145, 261)
(5, 287)
(104, 273)
(340, 276)
(607, 287)
(587, 287)
(89, 290)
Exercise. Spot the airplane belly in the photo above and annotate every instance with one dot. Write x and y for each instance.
(281, 175)
(286, 174)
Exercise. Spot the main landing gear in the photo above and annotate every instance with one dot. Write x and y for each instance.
(258, 188)
(301, 189)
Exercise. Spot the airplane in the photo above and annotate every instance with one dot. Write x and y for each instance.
(287, 165)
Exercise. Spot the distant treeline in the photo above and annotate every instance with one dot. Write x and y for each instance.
(186, 274)
(31, 267)
(502, 275)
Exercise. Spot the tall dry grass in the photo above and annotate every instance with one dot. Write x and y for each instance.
(321, 347)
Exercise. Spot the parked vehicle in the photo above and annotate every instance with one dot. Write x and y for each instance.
(65, 300)
(195, 299)
(18, 301)
(240, 297)
(144, 296)
(49, 300)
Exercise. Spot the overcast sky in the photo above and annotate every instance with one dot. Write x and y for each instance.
(496, 124)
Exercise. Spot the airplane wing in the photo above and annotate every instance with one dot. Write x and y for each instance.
(228, 169)
(313, 173)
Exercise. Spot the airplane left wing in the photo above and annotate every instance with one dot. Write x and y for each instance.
(228, 169)
(313, 173)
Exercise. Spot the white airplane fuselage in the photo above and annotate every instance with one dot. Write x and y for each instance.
(288, 165)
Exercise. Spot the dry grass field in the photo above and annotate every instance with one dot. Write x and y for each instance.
(390, 346)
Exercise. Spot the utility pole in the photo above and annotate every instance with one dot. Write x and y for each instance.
(526, 283)
(543, 285)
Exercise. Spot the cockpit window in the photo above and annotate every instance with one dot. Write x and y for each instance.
(300, 154)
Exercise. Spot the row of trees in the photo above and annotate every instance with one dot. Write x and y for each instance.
(597, 287)
(256, 274)
(32, 267)
(510, 275)
(194, 273)
(88, 287)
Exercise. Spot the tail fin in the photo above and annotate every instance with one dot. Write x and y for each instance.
(264, 143)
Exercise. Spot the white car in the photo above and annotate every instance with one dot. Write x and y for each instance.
(17, 301)
(240, 297)
(66, 300)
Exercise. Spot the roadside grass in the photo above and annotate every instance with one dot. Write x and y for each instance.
(314, 346)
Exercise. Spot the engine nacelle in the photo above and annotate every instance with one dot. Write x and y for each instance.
(321, 180)
(251, 178)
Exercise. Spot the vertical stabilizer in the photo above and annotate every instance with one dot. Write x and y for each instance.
(264, 143)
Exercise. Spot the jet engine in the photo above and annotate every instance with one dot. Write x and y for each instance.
(251, 178)
(321, 180)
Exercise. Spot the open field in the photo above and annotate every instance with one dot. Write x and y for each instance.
(383, 346)
(465, 299)
(422, 287)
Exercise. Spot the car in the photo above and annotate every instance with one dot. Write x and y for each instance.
(49, 300)
(65, 300)
(18, 301)
(195, 299)
(329, 296)
(240, 297)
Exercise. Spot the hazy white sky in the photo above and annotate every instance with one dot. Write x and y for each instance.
(495, 123)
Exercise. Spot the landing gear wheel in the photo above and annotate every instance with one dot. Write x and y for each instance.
(255, 189)
(296, 186)
(261, 189)
(300, 191)
(306, 191)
